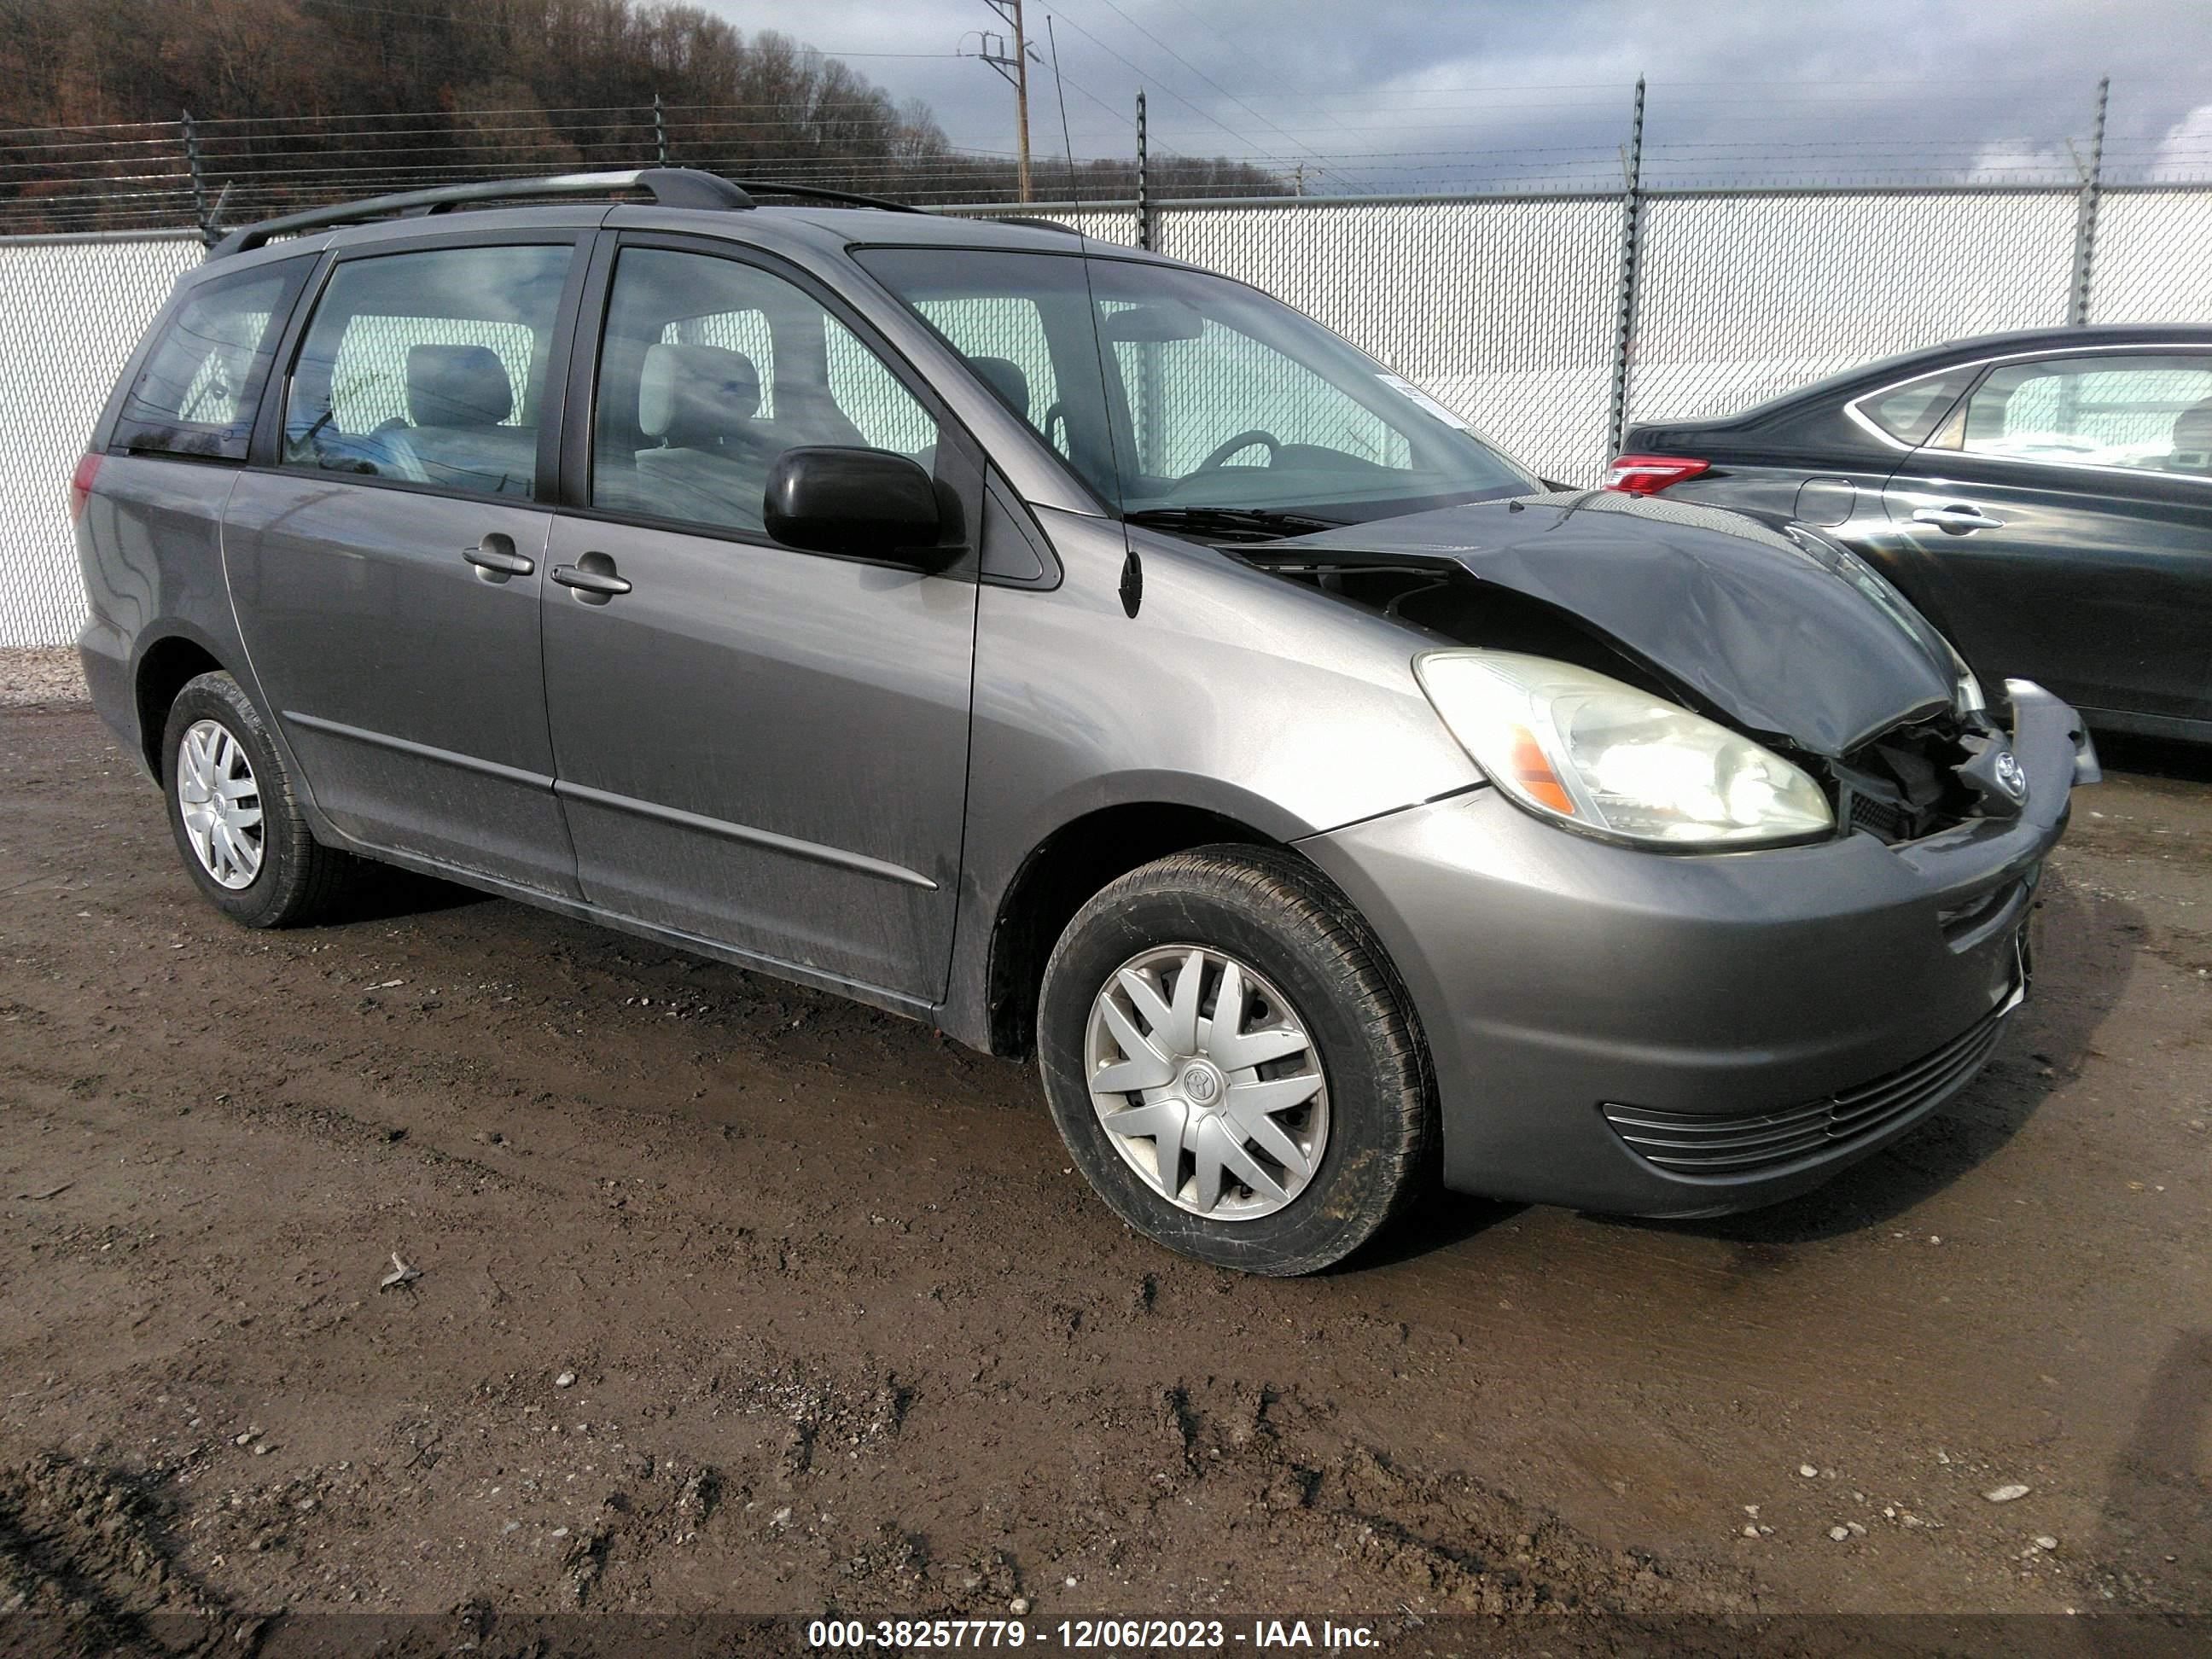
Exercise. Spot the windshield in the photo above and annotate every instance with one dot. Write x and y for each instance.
(1190, 400)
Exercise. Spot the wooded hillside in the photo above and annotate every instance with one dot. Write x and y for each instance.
(303, 101)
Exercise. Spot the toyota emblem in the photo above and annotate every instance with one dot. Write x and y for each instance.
(2011, 776)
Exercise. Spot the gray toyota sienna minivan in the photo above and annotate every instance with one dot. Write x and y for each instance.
(1078, 651)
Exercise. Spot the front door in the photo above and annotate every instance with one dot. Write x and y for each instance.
(387, 567)
(755, 746)
(2059, 528)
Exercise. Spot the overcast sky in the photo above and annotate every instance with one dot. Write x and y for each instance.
(1438, 95)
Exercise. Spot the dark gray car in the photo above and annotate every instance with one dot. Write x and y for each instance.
(2044, 497)
(1082, 653)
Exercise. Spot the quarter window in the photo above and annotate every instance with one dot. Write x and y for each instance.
(430, 369)
(198, 392)
(1909, 412)
(710, 369)
(2150, 412)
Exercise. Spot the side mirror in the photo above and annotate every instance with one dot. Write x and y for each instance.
(868, 503)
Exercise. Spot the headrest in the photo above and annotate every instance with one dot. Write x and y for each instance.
(694, 396)
(457, 386)
(1004, 376)
(2192, 437)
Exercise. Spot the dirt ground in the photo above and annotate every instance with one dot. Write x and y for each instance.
(736, 1297)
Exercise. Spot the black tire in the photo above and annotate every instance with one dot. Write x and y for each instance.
(300, 880)
(1272, 911)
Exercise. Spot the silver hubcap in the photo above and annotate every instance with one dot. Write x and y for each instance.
(1206, 1083)
(220, 803)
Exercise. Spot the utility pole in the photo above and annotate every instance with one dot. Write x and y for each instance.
(1015, 66)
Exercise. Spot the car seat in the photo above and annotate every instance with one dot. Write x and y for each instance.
(698, 402)
(2192, 441)
(458, 397)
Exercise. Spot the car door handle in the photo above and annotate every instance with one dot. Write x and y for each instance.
(495, 555)
(604, 584)
(1957, 518)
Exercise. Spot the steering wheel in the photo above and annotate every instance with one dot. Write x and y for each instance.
(1221, 453)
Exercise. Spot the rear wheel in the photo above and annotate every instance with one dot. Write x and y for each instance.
(1232, 1063)
(235, 814)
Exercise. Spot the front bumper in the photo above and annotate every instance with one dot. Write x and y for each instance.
(1732, 1002)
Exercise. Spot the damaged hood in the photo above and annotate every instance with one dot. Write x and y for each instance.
(1787, 634)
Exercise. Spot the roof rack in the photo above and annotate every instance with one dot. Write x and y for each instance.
(1033, 222)
(681, 187)
(817, 193)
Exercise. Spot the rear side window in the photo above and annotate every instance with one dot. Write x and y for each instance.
(200, 385)
(430, 369)
(2149, 412)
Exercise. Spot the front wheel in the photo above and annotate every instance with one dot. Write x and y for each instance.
(244, 841)
(1232, 1063)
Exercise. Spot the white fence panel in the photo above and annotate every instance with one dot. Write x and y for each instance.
(69, 315)
(1504, 307)
(2153, 261)
(1740, 298)
(1501, 309)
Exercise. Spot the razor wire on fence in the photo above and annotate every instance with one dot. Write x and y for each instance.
(207, 174)
(1505, 307)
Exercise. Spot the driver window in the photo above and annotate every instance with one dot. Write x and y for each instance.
(2149, 412)
(710, 369)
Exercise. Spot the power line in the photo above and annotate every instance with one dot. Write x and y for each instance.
(1172, 92)
(1209, 80)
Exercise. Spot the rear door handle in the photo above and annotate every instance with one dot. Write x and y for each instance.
(601, 584)
(1957, 518)
(495, 555)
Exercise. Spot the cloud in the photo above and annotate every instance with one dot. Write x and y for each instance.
(1443, 95)
(2184, 154)
(2014, 161)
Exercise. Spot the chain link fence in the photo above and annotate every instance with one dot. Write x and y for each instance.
(2154, 256)
(1505, 307)
(71, 311)
(1501, 308)
(1740, 298)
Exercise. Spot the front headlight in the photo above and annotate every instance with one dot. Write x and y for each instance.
(1607, 759)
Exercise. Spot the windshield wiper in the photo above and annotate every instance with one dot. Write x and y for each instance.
(1243, 524)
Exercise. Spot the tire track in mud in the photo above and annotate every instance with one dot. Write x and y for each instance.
(745, 1226)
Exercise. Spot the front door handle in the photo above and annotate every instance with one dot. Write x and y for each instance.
(1959, 518)
(593, 578)
(495, 557)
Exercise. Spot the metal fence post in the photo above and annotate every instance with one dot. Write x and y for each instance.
(199, 179)
(2085, 214)
(1623, 312)
(1144, 182)
(659, 133)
